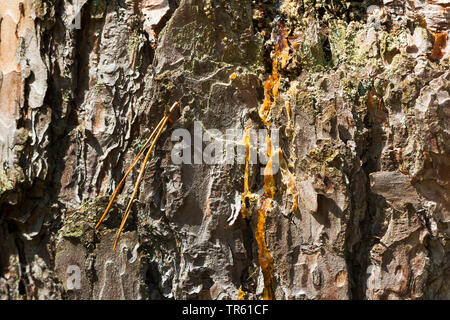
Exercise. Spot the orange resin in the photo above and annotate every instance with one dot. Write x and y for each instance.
(272, 85)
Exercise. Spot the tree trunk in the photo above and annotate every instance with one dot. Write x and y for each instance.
(358, 208)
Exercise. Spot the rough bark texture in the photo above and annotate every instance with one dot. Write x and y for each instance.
(359, 91)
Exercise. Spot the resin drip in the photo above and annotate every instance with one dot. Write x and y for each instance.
(272, 85)
(246, 194)
(264, 258)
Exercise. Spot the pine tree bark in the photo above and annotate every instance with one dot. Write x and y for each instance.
(360, 208)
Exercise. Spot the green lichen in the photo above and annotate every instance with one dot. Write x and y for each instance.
(345, 43)
(350, 88)
(10, 178)
(74, 230)
(311, 56)
(324, 161)
(138, 144)
(5, 183)
(80, 221)
(327, 155)
(98, 9)
(390, 45)
(307, 103)
(67, 96)
(410, 91)
(363, 87)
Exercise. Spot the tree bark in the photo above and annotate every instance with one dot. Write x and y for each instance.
(360, 205)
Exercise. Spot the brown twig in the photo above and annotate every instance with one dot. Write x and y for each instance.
(127, 173)
(157, 131)
(141, 174)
